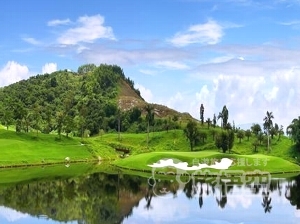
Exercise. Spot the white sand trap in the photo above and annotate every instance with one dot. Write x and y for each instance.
(223, 165)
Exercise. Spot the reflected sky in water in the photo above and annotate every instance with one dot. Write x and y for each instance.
(8, 215)
(115, 198)
(242, 207)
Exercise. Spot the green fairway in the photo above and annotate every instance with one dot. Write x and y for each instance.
(21, 149)
(241, 162)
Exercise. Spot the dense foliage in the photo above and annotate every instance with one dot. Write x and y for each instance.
(83, 103)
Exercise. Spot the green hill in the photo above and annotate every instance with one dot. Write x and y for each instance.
(88, 114)
(78, 103)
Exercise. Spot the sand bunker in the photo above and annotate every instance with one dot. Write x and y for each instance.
(223, 165)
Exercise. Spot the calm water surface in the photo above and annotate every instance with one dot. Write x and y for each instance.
(120, 198)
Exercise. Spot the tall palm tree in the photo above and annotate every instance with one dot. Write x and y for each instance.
(268, 124)
(208, 121)
(266, 202)
(149, 118)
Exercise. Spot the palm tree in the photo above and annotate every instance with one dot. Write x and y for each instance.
(268, 124)
(225, 115)
(266, 202)
(149, 118)
(214, 121)
(208, 121)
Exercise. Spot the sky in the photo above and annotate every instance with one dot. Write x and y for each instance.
(244, 54)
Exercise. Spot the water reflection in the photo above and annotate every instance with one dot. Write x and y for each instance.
(120, 198)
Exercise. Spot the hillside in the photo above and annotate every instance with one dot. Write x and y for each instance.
(128, 99)
(79, 103)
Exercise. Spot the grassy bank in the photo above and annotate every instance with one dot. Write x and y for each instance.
(28, 149)
(247, 163)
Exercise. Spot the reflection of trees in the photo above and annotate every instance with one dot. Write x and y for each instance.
(91, 199)
(108, 198)
(222, 200)
(266, 201)
(190, 188)
(292, 192)
(201, 195)
(149, 193)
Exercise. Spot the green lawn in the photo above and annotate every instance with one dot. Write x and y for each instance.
(241, 162)
(27, 148)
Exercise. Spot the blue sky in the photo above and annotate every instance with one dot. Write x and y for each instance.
(240, 53)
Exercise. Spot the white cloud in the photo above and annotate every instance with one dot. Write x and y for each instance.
(145, 93)
(32, 41)
(58, 22)
(101, 54)
(87, 30)
(13, 72)
(148, 72)
(295, 24)
(207, 33)
(11, 215)
(173, 65)
(49, 68)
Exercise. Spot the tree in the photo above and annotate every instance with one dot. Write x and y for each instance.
(248, 134)
(191, 133)
(256, 129)
(7, 117)
(293, 130)
(59, 122)
(69, 124)
(84, 69)
(208, 121)
(220, 116)
(36, 113)
(214, 121)
(213, 133)
(240, 134)
(260, 137)
(268, 124)
(273, 132)
(255, 144)
(223, 116)
(149, 118)
(202, 113)
(225, 140)
(280, 132)
(202, 135)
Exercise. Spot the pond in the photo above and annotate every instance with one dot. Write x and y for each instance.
(120, 198)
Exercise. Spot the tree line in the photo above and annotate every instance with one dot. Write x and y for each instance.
(224, 138)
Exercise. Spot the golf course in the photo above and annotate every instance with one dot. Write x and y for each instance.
(29, 149)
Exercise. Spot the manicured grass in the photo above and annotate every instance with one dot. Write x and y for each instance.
(241, 162)
(27, 148)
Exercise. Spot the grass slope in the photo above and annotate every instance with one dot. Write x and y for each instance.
(22, 149)
(241, 162)
(28, 149)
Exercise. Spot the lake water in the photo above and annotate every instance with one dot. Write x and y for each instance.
(121, 198)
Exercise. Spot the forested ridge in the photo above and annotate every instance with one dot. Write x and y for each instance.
(82, 103)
